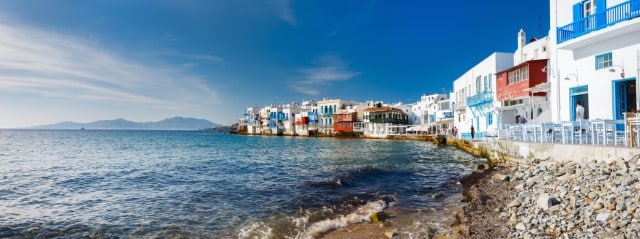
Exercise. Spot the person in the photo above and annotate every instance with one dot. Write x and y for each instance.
(455, 131)
(523, 120)
(579, 111)
(473, 132)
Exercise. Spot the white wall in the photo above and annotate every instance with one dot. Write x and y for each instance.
(575, 60)
(465, 86)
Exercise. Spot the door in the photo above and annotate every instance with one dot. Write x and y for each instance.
(581, 94)
(624, 97)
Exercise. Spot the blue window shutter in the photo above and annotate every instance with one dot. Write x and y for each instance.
(635, 6)
(577, 12)
(601, 5)
(601, 10)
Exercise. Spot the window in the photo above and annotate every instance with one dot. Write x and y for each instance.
(535, 53)
(490, 119)
(478, 84)
(518, 75)
(603, 61)
(544, 48)
(587, 7)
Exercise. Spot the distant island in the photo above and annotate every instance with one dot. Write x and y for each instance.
(175, 123)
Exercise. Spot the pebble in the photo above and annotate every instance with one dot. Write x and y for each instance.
(575, 200)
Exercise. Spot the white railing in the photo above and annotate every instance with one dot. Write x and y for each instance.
(594, 132)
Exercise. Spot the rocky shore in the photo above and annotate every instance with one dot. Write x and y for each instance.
(575, 200)
(545, 199)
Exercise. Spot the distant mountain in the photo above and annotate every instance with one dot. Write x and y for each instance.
(175, 123)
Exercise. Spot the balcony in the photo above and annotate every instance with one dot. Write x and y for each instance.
(612, 16)
(480, 99)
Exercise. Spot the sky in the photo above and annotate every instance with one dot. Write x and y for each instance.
(146, 60)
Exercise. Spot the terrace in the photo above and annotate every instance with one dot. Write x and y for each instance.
(612, 16)
(604, 132)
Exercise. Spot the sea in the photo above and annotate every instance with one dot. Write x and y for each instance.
(203, 184)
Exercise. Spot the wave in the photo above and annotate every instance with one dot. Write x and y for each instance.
(313, 224)
(361, 214)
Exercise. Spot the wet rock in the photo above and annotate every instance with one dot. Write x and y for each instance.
(391, 234)
(437, 195)
(379, 216)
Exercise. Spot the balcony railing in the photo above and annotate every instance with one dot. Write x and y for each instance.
(480, 98)
(618, 13)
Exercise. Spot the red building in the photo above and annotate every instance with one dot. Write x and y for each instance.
(343, 122)
(516, 90)
(513, 83)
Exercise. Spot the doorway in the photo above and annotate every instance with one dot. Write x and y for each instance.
(579, 93)
(624, 97)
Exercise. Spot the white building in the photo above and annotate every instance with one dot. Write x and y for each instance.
(326, 109)
(252, 120)
(594, 58)
(522, 90)
(425, 110)
(475, 98)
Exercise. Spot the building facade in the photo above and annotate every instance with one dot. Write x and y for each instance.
(594, 58)
(475, 96)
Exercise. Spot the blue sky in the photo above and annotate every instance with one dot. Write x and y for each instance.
(82, 61)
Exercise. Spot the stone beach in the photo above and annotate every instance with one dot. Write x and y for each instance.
(591, 199)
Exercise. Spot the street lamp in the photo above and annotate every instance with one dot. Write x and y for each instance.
(567, 77)
(614, 70)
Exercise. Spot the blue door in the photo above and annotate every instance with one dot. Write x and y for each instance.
(579, 93)
(624, 97)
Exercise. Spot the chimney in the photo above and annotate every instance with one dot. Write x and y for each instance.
(522, 39)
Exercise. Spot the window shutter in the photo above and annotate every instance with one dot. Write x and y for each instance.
(635, 6)
(601, 5)
(601, 11)
(577, 12)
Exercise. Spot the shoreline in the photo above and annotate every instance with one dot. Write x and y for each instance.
(560, 192)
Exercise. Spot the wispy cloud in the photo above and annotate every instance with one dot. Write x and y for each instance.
(191, 57)
(284, 11)
(328, 70)
(48, 64)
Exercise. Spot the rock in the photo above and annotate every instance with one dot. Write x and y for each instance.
(603, 217)
(597, 206)
(391, 234)
(605, 235)
(521, 227)
(519, 187)
(514, 203)
(379, 216)
(545, 201)
(480, 167)
(501, 177)
(437, 195)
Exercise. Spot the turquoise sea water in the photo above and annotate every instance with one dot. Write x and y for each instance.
(113, 184)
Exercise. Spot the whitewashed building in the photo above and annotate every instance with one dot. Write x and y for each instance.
(522, 90)
(475, 98)
(425, 110)
(594, 58)
(326, 110)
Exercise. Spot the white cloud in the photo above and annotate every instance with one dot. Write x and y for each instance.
(328, 70)
(284, 11)
(46, 64)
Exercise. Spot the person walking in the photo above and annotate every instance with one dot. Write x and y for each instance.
(579, 111)
(473, 132)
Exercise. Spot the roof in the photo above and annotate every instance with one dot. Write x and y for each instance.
(520, 65)
(383, 108)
